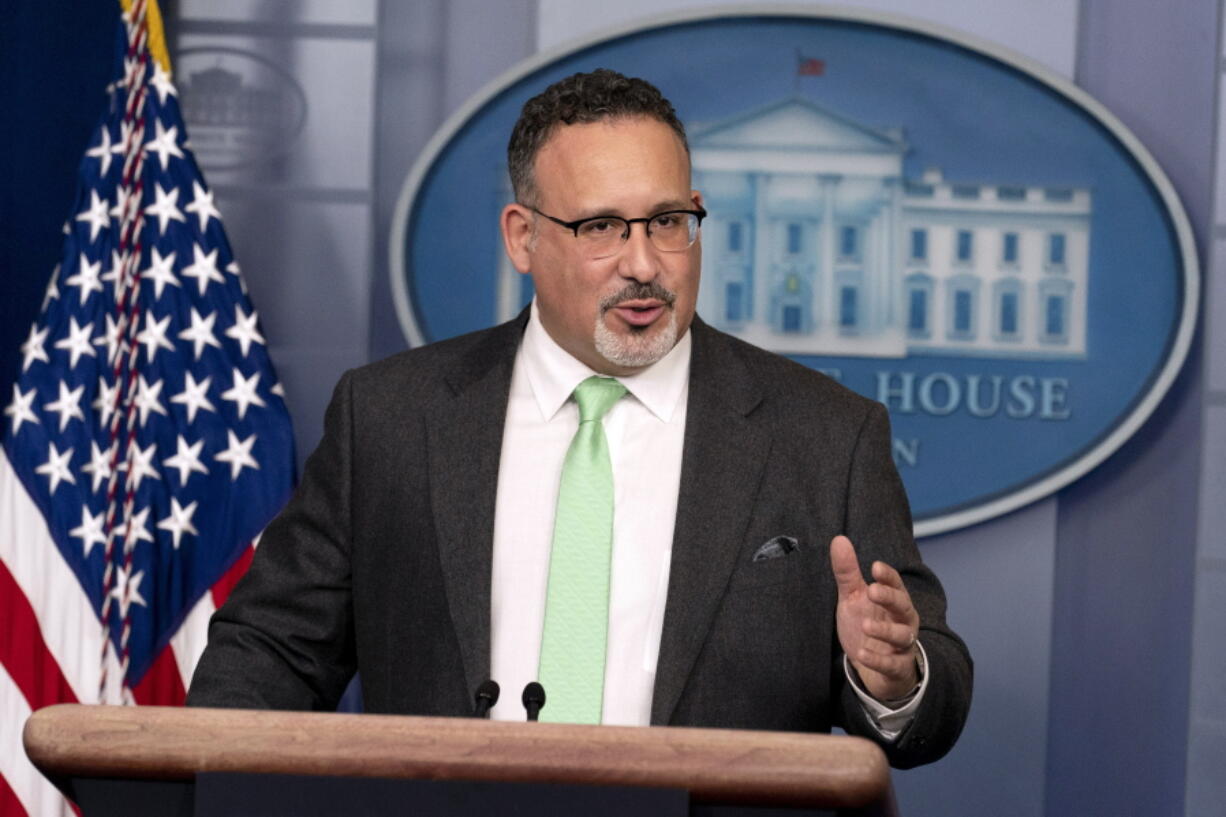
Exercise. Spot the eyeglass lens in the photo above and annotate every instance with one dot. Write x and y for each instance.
(669, 232)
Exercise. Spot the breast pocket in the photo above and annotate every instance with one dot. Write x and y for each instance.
(777, 560)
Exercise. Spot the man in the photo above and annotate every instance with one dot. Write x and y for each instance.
(655, 517)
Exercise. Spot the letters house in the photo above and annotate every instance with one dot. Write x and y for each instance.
(816, 244)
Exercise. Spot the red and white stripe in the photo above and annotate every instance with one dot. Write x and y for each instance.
(50, 641)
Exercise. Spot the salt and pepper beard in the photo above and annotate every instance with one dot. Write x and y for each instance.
(640, 347)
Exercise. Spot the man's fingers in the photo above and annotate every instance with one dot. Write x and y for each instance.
(885, 574)
(895, 636)
(894, 601)
(891, 665)
(846, 569)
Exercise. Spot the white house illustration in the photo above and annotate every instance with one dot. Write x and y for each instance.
(816, 244)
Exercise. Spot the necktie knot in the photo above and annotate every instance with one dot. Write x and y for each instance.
(596, 396)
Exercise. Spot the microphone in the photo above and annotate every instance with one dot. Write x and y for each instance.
(534, 699)
(487, 696)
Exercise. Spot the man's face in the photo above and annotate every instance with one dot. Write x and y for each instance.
(624, 312)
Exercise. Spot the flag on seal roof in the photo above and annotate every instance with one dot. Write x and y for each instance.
(809, 66)
(146, 442)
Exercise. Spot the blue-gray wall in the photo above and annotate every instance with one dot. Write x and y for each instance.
(1127, 534)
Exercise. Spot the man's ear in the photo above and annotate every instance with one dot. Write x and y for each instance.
(696, 197)
(517, 227)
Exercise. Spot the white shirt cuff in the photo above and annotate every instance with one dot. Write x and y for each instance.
(889, 722)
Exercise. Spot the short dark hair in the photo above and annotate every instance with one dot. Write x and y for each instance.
(580, 98)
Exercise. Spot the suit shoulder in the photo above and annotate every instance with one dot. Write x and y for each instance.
(782, 377)
(421, 369)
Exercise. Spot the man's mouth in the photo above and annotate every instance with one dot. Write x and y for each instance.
(640, 312)
(639, 305)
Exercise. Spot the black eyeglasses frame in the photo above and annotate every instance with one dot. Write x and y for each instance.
(574, 226)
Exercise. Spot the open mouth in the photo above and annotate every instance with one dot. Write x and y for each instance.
(639, 313)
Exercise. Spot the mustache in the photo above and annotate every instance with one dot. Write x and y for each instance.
(635, 291)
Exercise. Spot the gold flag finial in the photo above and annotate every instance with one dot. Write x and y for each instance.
(157, 37)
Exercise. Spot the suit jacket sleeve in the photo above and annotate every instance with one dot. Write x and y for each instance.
(878, 522)
(284, 638)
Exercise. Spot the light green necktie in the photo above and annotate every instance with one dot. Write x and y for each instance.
(577, 603)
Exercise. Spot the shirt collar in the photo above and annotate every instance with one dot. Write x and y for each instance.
(553, 373)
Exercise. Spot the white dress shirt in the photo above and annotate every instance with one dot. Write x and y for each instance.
(645, 432)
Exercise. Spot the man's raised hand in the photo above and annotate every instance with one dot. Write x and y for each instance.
(877, 624)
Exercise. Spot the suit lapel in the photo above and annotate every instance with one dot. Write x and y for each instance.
(465, 439)
(724, 453)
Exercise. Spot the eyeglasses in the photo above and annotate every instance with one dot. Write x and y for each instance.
(602, 236)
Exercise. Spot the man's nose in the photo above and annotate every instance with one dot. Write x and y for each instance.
(639, 259)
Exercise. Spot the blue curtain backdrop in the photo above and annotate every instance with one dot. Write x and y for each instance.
(55, 57)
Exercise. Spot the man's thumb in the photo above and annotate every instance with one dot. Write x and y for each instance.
(843, 562)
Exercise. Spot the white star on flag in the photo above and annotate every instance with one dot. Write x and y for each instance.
(125, 133)
(127, 590)
(53, 289)
(90, 530)
(244, 330)
(32, 349)
(110, 338)
(121, 203)
(96, 215)
(147, 399)
(180, 520)
(102, 151)
(165, 207)
(142, 466)
(154, 335)
(160, 272)
(161, 83)
(203, 268)
(238, 454)
(202, 205)
(77, 343)
(68, 406)
(20, 408)
(200, 333)
(165, 144)
(56, 467)
(135, 528)
(194, 396)
(104, 403)
(99, 466)
(186, 460)
(243, 393)
(111, 276)
(86, 278)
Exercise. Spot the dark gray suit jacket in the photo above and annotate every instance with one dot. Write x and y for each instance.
(381, 562)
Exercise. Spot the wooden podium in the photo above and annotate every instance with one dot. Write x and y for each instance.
(156, 760)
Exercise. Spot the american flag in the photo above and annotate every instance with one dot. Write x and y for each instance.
(146, 440)
(809, 66)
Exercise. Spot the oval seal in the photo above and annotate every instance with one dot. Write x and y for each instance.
(935, 221)
(240, 108)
